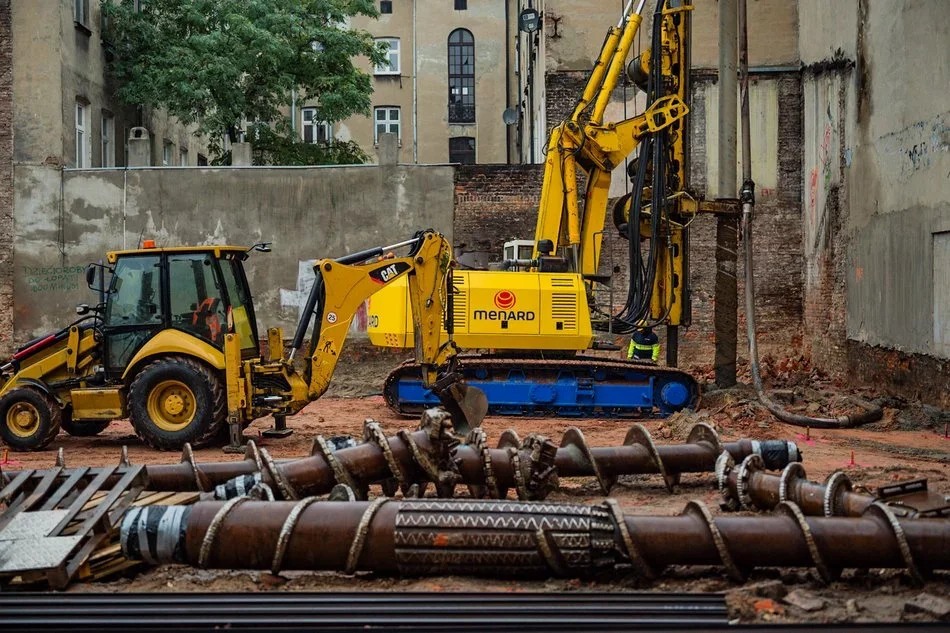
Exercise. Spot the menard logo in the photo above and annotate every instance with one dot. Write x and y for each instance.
(504, 315)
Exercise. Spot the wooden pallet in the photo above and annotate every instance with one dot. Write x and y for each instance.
(61, 524)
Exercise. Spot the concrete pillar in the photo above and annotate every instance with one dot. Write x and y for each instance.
(140, 148)
(241, 154)
(388, 150)
(727, 228)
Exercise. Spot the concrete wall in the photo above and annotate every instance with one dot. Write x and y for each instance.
(6, 178)
(66, 219)
(877, 180)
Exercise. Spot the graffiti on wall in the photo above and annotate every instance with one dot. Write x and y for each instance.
(40, 279)
(917, 146)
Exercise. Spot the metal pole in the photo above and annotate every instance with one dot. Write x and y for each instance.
(726, 294)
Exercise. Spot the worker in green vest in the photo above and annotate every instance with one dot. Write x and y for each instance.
(644, 345)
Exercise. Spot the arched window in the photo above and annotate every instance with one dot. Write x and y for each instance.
(461, 76)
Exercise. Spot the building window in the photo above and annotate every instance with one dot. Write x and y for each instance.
(81, 11)
(391, 66)
(202, 160)
(461, 76)
(108, 141)
(462, 150)
(82, 137)
(167, 151)
(386, 6)
(387, 120)
(461, 5)
(314, 130)
(183, 157)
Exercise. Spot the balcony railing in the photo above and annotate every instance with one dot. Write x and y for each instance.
(461, 113)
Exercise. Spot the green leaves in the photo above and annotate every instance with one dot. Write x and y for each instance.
(217, 63)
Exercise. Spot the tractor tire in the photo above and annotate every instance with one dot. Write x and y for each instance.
(177, 400)
(29, 419)
(82, 428)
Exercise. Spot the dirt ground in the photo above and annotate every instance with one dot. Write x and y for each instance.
(909, 442)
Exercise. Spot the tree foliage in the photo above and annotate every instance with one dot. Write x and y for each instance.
(216, 63)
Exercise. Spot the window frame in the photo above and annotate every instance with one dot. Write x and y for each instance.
(183, 157)
(315, 126)
(167, 147)
(388, 122)
(461, 81)
(81, 12)
(107, 141)
(389, 71)
(461, 5)
(83, 146)
(473, 151)
(385, 3)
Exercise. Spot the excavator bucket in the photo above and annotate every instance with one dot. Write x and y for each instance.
(466, 404)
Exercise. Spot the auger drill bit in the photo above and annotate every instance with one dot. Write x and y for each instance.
(433, 454)
(515, 539)
(746, 486)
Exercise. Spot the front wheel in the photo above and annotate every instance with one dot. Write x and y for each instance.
(29, 419)
(177, 400)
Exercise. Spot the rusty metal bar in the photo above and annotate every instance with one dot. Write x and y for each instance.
(433, 454)
(744, 486)
(517, 539)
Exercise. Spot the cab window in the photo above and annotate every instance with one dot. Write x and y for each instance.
(195, 296)
(241, 316)
(136, 296)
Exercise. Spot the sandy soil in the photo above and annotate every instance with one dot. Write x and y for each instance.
(881, 455)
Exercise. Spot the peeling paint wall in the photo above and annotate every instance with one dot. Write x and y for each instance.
(65, 220)
(877, 183)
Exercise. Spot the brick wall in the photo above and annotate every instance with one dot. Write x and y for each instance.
(6, 180)
(561, 91)
(495, 204)
(777, 240)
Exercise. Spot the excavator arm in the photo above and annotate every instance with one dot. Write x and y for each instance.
(584, 141)
(342, 285)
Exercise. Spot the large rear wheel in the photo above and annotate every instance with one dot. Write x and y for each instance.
(177, 400)
(29, 419)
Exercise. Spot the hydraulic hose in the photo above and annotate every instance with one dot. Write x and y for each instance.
(871, 411)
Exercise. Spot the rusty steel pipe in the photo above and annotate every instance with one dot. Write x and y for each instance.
(433, 454)
(513, 538)
(745, 486)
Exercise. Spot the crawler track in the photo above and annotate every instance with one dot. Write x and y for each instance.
(580, 387)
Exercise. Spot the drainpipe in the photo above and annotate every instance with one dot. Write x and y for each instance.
(507, 78)
(293, 111)
(415, 92)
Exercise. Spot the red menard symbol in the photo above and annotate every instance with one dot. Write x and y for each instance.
(505, 299)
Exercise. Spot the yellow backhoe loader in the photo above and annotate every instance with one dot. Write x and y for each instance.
(173, 345)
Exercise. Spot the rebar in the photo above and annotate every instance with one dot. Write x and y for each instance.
(433, 454)
(745, 486)
(516, 539)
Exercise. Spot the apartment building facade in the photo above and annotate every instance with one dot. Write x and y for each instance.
(445, 88)
(64, 111)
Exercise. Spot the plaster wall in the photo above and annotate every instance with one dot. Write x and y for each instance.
(65, 220)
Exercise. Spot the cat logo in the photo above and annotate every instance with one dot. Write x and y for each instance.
(385, 274)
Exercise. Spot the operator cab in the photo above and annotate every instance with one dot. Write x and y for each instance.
(196, 290)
